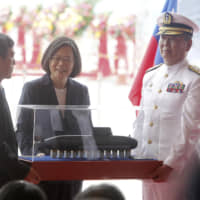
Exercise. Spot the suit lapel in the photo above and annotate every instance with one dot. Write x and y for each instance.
(6, 127)
(48, 94)
(71, 97)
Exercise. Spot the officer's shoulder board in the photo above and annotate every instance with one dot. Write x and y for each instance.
(194, 68)
(153, 68)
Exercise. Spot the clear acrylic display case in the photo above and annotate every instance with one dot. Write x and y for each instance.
(49, 132)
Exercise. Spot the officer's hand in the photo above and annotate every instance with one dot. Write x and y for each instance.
(32, 176)
(161, 174)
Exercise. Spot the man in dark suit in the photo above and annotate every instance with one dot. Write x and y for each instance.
(10, 167)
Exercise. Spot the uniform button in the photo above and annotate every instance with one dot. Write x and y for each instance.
(151, 85)
(155, 107)
(149, 141)
(151, 124)
(159, 91)
(166, 75)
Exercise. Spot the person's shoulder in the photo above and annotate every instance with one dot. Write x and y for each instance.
(153, 68)
(37, 81)
(36, 84)
(194, 68)
(75, 83)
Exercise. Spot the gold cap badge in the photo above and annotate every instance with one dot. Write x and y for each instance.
(167, 18)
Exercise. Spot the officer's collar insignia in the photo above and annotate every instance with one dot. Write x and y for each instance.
(167, 18)
(176, 87)
(194, 68)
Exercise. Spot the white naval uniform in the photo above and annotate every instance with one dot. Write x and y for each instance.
(167, 126)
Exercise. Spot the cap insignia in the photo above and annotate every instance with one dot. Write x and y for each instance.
(167, 18)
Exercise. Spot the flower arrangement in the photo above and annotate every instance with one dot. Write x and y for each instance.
(116, 30)
(5, 19)
(99, 25)
(99, 29)
(70, 20)
(43, 22)
(130, 27)
(124, 26)
(74, 20)
(23, 18)
(85, 10)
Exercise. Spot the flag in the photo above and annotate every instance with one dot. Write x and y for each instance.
(152, 57)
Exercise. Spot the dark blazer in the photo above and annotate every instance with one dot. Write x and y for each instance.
(10, 167)
(42, 92)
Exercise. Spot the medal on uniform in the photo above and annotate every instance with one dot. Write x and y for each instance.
(177, 87)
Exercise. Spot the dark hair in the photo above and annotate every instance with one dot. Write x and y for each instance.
(105, 191)
(5, 43)
(57, 44)
(20, 189)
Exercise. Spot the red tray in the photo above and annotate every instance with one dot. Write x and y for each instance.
(93, 170)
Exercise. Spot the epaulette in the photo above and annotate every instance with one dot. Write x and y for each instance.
(154, 67)
(194, 68)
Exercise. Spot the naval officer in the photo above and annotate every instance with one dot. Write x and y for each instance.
(167, 125)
